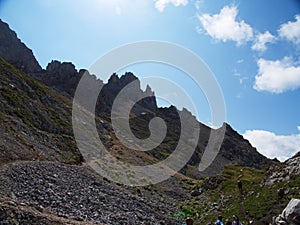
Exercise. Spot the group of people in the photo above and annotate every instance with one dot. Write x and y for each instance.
(235, 221)
(235, 218)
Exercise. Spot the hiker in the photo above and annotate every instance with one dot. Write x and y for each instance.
(236, 220)
(280, 193)
(219, 221)
(240, 186)
(189, 221)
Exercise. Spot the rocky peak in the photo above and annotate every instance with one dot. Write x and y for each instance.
(62, 76)
(127, 78)
(62, 71)
(58, 67)
(53, 66)
(15, 52)
(113, 87)
(114, 78)
(116, 83)
(148, 91)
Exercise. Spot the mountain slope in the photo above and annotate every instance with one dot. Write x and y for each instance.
(35, 120)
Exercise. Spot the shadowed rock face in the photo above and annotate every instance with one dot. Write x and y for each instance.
(15, 52)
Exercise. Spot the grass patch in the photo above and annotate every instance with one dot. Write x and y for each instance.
(255, 203)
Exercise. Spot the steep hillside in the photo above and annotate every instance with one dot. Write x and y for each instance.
(35, 120)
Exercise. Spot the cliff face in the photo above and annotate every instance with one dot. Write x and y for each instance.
(15, 52)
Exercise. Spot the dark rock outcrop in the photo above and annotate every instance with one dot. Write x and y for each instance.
(113, 87)
(15, 52)
(63, 77)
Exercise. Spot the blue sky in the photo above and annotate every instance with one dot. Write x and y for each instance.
(252, 47)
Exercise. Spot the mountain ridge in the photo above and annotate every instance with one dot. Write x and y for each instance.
(64, 78)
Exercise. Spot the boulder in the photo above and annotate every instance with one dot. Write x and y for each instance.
(290, 215)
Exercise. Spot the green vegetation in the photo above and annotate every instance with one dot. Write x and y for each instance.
(255, 202)
(182, 215)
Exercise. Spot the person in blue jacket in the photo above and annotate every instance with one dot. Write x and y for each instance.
(219, 221)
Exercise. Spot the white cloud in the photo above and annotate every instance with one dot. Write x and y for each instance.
(225, 27)
(291, 30)
(160, 5)
(277, 76)
(261, 40)
(271, 145)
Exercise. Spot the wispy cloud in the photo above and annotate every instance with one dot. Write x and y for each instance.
(272, 145)
(261, 40)
(225, 26)
(160, 5)
(291, 30)
(277, 76)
